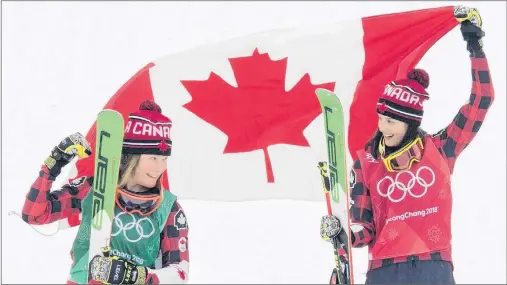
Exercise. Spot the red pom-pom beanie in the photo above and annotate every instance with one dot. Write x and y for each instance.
(403, 99)
(148, 131)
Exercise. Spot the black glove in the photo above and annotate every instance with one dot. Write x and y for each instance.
(113, 270)
(65, 151)
(471, 27)
(330, 227)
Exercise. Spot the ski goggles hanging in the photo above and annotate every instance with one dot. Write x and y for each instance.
(403, 158)
(141, 203)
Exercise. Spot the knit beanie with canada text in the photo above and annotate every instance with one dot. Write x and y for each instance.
(403, 99)
(148, 131)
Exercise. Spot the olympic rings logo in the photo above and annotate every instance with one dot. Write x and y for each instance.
(134, 223)
(396, 184)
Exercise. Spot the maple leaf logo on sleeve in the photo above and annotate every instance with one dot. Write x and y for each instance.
(259, 112)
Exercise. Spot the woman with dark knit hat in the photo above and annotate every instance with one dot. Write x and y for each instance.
(149, 233)
(400, 185)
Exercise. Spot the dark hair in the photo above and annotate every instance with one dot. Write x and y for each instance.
(413, 131)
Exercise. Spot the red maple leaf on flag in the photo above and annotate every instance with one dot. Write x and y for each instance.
(259, 112)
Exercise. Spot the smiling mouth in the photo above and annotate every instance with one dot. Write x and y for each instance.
(149, 175)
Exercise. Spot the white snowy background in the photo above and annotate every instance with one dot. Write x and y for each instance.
(61, 62)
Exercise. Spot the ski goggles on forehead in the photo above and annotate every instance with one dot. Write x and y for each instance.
(403, 158)
(143, 204)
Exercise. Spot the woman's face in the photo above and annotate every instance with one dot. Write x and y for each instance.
(393, 130)
(148, 170)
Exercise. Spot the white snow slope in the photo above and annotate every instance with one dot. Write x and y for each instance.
(56, 54)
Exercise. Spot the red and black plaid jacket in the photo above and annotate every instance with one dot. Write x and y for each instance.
(43, 206)
(450, 141)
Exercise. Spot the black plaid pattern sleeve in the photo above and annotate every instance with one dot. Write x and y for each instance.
(43, 206)
(361, 212)
(453, 139)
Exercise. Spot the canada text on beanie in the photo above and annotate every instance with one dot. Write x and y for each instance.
(148, 131)
(403, 99)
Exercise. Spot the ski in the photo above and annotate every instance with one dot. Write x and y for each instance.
(334, 182)
(108, 147)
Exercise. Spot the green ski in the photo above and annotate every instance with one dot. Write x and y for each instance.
(334, 181)
(108, 147)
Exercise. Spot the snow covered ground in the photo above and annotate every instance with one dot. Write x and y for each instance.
(59, 59)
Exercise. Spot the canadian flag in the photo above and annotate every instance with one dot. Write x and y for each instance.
(246, 121)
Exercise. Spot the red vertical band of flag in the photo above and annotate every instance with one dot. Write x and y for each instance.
(394, 44)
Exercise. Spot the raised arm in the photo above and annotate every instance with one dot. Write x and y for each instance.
(454, 138)
(43, 206)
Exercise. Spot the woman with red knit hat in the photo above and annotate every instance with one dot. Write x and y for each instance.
(149, 232)
(400, 185)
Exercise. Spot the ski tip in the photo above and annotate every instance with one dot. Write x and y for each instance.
(110, 114)
(110, 111)
(323, 91)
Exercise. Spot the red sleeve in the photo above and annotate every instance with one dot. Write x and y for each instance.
(453, 139)
(361, 213)
(43, 206)
(174, 247)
